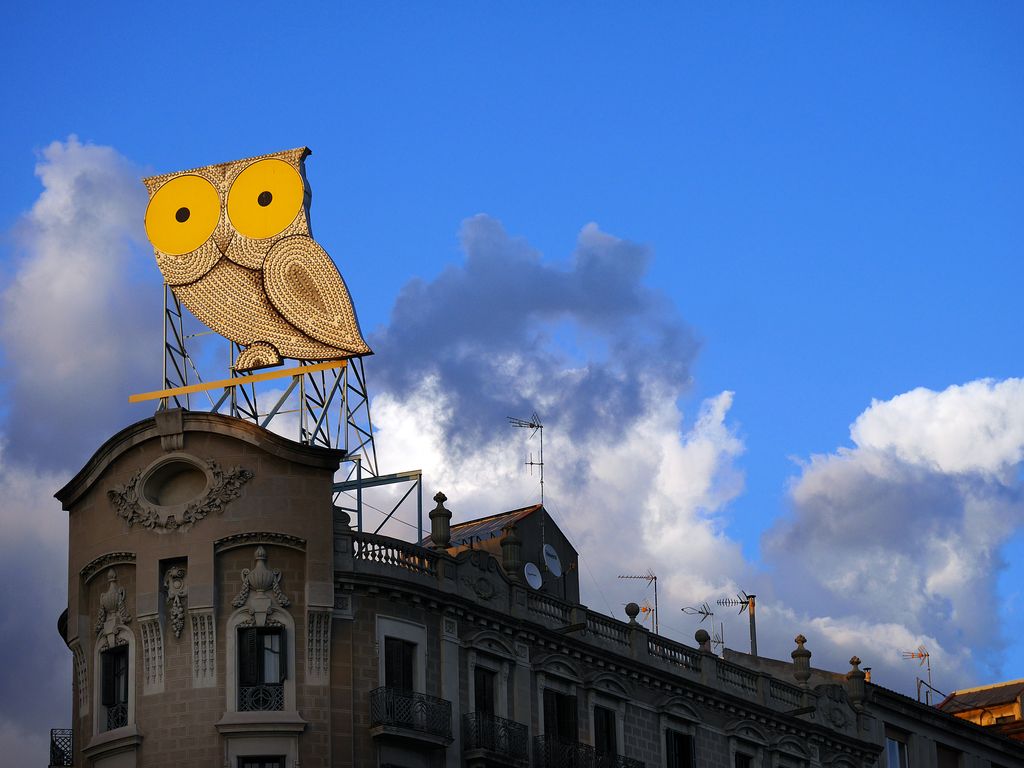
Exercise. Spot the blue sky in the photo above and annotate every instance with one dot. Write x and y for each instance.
(828, 198)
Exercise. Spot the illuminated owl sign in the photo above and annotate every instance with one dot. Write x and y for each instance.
(233, 243)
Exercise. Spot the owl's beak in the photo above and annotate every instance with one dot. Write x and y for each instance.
(222, 235)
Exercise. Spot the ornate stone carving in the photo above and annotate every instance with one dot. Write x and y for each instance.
(257, 582)
(105, 561)
(318, 648)
(481, 587)
(174, 584)
(81, 678)
(113, 615)
(152, 655)
(130, 505)
(249, 538)
(204, 650)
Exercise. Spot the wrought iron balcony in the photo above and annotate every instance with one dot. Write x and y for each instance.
(117, 716)
(406, 712)
(555, 753)
(268, 697)
(496, 736)
(62, 751)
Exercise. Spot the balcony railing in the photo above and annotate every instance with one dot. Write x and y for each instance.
(117, 716)
(62, 747)
(268, 697)
(411, 711)
(494, 734)
(555, 753)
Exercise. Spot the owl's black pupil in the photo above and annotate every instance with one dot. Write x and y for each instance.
(264, 199)
(182, 214)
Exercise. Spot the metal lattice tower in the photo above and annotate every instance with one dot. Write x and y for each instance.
(329, 403)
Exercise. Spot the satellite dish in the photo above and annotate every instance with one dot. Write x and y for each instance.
(551, 561)
(533, 577)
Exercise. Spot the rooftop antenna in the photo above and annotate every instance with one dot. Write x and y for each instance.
(926, 661)
(538, 428)
(650, 578)
(746, 603)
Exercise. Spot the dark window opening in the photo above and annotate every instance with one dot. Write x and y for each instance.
(742, 760)
(262, 667)
(560, 716)
(483, 690)
(399, 664)
(947, 756)
(261, 762)
(678, 749)
(604, 731)
(114, 695)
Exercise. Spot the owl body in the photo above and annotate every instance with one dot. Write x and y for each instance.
(233, 243)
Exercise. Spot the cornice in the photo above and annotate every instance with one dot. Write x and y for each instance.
(195, 421)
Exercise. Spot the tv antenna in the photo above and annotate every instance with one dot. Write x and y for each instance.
(650, 578)
(744, 602)
(926, 661)
(704, 611)
(533, 423)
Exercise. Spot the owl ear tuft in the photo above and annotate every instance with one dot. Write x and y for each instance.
(153, 183)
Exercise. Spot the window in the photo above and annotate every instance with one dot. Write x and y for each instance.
(261, 669)
(260, 762)
(604, 731)
(399, 664)
(678, 750)
(114, 696)
(560, 716)
(483, 690)
(947, 756)
(742, 760)
(896, 749)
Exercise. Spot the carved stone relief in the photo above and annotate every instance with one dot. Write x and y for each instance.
(152, 655)
(174, 585)
(318, 648)
(81, 677)
(135, 502)
(204, 649)
(261, 588)
(113, 616)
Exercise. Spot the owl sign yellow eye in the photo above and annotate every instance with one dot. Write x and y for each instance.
(265, 198)
(182, 214)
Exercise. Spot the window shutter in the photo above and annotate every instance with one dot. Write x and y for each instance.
(282, 659)
(248, 657)
(392, 662)
(108, 693)
(408, 655)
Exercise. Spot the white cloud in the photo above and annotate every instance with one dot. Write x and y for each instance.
(73, 315)
(976, 427)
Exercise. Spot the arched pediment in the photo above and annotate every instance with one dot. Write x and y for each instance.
(677, 706)
(489, 641)
(605, 682)
(749, 731)
(559, 665)
(791, 745)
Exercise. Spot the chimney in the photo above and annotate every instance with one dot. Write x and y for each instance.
(512, 552)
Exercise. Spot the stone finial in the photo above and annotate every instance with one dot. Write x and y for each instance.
(512, 552)
(633, 610)
(855, 682)
(801, 661)
(257, 582)
(342, 520)
(703, 640)
(440, 523)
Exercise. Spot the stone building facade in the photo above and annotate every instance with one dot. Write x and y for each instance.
(222, 612)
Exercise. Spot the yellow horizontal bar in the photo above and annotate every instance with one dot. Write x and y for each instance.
(301, 370)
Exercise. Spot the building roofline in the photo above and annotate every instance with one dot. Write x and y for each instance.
(195, 421)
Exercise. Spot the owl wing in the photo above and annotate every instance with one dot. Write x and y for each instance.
(305, 287)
